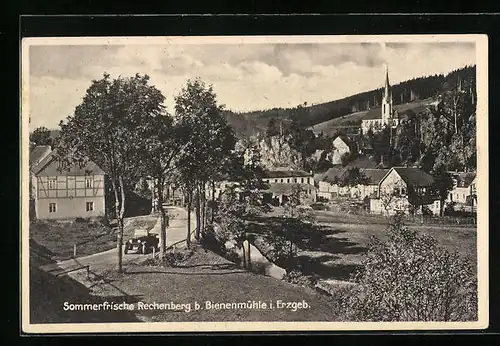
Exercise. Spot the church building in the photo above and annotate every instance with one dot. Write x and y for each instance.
(377, 118)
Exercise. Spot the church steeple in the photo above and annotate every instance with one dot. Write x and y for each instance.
(387, 90)
(387, 99)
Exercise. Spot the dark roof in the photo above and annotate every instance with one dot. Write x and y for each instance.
(287, 173)
(415, 106)
(38, 153)
(414, 176)
(374, 175)
(362, 162)
(332, 173)
(464, 179)
(49, 166)
(286, 189)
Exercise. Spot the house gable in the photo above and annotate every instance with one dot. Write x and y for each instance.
(49, 166)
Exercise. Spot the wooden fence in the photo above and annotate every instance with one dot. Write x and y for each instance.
(441, 220)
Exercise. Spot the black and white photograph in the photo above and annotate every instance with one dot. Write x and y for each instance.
(254, 183)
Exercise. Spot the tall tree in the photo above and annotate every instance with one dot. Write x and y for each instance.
(104, 129)
(156, 162)
(40, 136)
(209, 139)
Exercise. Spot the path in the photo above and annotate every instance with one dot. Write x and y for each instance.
(102, 261)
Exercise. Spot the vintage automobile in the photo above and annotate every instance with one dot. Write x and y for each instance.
(143, 242)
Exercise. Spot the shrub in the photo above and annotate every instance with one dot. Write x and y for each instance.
(408, 277)
(80, 220)
(296, 277)
(172, 258)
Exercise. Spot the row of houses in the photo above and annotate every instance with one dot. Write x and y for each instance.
(79, 191)
(391, 189)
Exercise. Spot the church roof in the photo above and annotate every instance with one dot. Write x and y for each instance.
(373, 113)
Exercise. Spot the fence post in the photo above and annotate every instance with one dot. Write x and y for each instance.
(154, 252)
(74, 251)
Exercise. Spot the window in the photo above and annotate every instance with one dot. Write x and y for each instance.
(52, 207)
(275, 180)
(294, 180)
(90, 206)
(451, 197)
(308, 180)
(89, 183)
(302, 180)
(288, 180)
(281, 180)
(52, 183)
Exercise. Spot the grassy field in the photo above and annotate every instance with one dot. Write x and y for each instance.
(58, 238)
(334, 247)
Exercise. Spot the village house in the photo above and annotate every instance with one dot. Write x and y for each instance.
(67, 193)
(341, 145)
(328, 187)
(404, 187)
(464, 190)
(282, 183)
(37, 154)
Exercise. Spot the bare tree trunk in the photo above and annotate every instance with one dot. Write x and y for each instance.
(120, 215)
(119, 237)
(163, 229)
(213, 202)
(204, 206)
(197, 211)
(188, 238)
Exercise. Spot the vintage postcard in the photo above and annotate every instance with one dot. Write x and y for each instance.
(254, 183)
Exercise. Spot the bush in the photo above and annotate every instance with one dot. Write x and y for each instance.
(172, 258)
(296, 277)
(81, 220)
(409, 277)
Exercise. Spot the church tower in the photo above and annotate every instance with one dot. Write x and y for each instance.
(387, 100)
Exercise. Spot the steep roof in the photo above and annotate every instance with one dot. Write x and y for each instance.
(362, 162)
(414, 176)
(464, 179)
(38, 153)
(415, 106)
(50, 166)
(374, 175)
(332, 173)
(373, 113)
(287, 173)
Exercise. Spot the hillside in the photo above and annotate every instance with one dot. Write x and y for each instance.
(329, 127)
(421, 88)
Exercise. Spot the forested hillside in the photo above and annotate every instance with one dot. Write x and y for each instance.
(250, 123)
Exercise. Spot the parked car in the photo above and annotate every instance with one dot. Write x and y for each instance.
(319, 206)
(143, 244)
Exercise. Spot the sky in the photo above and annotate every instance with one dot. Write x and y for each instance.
(245, 77)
